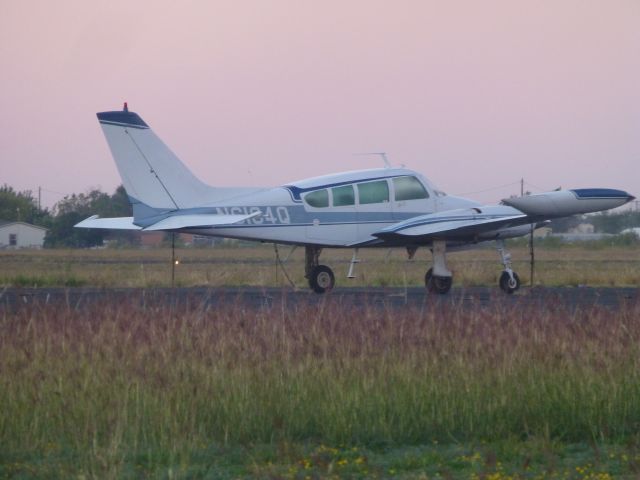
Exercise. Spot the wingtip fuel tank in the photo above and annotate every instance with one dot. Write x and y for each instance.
(562, 203)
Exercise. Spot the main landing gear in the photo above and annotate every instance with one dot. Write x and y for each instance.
(321, 278)
(439, 279)
(509, 281)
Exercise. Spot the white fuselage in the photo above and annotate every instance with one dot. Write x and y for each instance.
(319, 210)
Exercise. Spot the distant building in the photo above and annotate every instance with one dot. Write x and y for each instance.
(634, 230)
(21, 235)
(156, 239)
(582, 228)
(542, 232)
(581, 237)
(151, 239)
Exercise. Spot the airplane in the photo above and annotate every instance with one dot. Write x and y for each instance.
(374, 208)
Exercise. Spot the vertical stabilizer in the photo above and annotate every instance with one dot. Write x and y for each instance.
(150, 171)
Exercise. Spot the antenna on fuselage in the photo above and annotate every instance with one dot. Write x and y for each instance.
(382, 155)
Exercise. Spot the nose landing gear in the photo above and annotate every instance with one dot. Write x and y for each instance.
(509, 280)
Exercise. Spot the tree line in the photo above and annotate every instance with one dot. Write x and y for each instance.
(59, 221)
(603, 222)
(23, 206)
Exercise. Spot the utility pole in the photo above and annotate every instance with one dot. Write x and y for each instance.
(39, 198)
(531, 250)
(532, 255)
(173, 259)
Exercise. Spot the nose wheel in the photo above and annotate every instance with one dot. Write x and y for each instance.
(509, 280)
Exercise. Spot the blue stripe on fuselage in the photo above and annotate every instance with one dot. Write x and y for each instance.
(274, 215)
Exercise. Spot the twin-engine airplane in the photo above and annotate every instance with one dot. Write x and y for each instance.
(385, 207)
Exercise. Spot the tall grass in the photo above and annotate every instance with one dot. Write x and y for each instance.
(117, 381)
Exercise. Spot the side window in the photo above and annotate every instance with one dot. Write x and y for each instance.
(318, 199)
(409, 188)
(343, 196)
(373, 192)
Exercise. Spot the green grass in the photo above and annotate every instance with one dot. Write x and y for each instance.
(227, 266)
(532, 459)
(122, 389)
(34, 281)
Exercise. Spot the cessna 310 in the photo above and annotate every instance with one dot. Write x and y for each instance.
(384, 207)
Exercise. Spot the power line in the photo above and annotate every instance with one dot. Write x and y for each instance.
(57, 193)
(537, 187)
(491, 188)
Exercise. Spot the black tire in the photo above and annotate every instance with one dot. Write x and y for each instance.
(321, 279)
(507, 285)
(435, 284)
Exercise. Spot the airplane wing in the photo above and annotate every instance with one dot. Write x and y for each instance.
(508, 219)
(118, 223)
(174, 222)
(459, 224)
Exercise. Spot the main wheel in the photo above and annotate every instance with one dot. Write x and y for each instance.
(508, 284)
(437, 284)
(321, 279)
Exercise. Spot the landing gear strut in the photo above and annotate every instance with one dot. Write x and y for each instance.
(321, 278)
(509, 281)
(438, 279)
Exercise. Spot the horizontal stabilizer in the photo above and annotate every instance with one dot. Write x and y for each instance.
(118, 223)
(177, 222)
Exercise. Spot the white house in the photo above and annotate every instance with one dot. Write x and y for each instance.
(582, 228)
(21, 235)
(634, 230)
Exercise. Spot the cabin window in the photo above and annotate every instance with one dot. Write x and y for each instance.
(343, 196)
(373, 192)
(318, 199)
(409, 188)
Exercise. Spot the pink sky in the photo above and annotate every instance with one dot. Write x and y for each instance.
(474, 94)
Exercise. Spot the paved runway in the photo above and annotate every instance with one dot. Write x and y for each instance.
(471, 297)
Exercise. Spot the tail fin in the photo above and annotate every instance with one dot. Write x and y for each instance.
(151, 173)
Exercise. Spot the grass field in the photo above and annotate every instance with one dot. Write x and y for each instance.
(120, 390)
(569, 265)
(123, 390)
